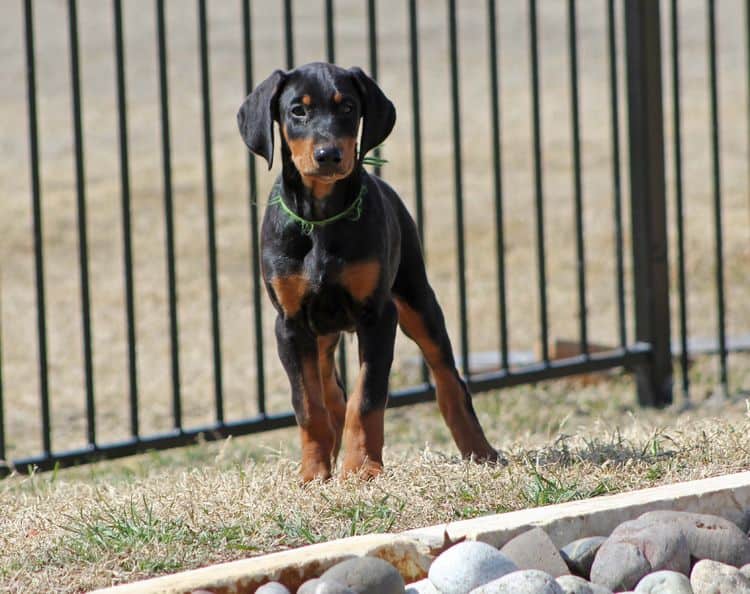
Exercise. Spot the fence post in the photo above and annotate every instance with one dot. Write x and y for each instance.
(648, 199)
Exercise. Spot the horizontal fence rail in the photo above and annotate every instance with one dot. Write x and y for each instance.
(634, 48)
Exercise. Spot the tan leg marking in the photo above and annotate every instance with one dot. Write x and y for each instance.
(333, 395)
(451, 397)
(363, 435)
(289, 291)
(316, 433)
(361, 278)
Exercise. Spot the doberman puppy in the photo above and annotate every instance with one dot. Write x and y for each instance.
(340, 252)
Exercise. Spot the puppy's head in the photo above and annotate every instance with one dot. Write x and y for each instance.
(318, 108)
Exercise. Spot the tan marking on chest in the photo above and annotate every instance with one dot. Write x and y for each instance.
(289, 291)
(361, 278)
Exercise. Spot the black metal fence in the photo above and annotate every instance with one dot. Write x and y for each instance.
(647, 353)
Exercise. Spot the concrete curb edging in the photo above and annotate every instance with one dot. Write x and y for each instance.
(412, 552)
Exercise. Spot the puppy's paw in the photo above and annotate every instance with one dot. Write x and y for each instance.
(362, 468)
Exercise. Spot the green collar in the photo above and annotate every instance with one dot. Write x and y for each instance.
(352, 212)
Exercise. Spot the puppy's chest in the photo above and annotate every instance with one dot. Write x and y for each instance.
(324, 284)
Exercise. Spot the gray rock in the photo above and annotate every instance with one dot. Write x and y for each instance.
(525, 581)
(365, 575)
(709, 537)
(421, 587)
(533, 549)
(573, 584)
(664, 582)
(637, 548)
(579, 554)
(318, 586)
(466, 565)
(272, 588)
(712, 577)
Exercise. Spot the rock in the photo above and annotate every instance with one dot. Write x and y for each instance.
(318, 586)
(709, 537)
(745, 570)
(573, 584)
(664, 582)
(308, 587)
(272, 588)
(579, 554)
(637, 548)
(525, 581)
(533, 549)
(712, 577)
(365, 575)
(421, 587)
(466, 565)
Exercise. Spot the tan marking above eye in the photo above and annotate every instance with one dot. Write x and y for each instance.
(306, 100)
(361, 278)
(337, 97)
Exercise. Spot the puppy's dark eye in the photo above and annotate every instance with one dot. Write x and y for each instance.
(299, 111)
(347, 108)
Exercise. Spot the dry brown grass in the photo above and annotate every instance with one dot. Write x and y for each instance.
(120, 521)
(110, 363)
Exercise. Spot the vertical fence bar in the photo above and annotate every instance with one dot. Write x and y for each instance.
(36, 201)
(616, 175)
(416, 117)
(330, 37)
(372, 36)
(169, 215)
(458, 187)
(577, 189)
(253, 200)
(497, 179)
(716, 163)
(331, 57)
(82, 231)
(126, 217)
(213, 268)
(289, 34)
(538, 181)
(417, 134)
(679, 207)
(648, 200)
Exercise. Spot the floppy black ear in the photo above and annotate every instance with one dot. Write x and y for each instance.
(378, 113)
(257, 114)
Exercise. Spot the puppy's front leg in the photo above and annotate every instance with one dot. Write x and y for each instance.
(298, 351)
(363, 427)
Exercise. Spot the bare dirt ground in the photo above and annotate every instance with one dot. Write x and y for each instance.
(102, 176)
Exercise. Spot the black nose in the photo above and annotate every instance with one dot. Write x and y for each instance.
(328, 154)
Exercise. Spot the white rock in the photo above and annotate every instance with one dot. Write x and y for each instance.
(572, 584)
(745, 570)
(421, 587)
(664, 582)
(467, 565)
(525, 581)
(712, 577)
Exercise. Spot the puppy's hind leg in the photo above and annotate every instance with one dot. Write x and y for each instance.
(421, 319)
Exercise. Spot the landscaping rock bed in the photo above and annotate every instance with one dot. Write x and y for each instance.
(660, 552)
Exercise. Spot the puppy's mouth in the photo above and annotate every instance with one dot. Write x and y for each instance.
(327, 173)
